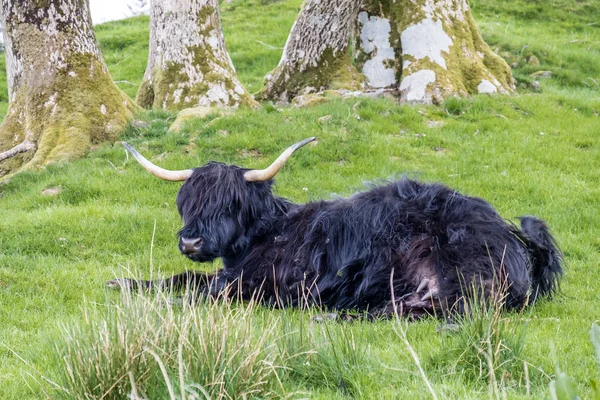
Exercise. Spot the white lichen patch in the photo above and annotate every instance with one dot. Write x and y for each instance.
(499, 86)
(426, 39)
(103, 109)
(414, 86)
(213, 40)
(486, 87)
(51, 101)
(177, 96)
(217, 94)
(449, 10)
(375, 41)
(239, 90)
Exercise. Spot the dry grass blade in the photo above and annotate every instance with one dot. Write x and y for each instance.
(401, 332)
(164, 372)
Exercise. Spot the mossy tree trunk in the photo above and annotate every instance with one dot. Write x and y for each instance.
(441, 52)
(378, 52)
(188, 64)
(426, 50)
(61, 97)
(316, 56)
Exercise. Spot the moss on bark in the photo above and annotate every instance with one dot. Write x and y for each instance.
(80, 109)
(334, 71)
(431, 49)
(64, 100)
(145, 94)
(461, 64)
(317, 54)
(188, 64)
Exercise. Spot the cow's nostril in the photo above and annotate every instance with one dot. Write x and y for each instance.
(190, 245)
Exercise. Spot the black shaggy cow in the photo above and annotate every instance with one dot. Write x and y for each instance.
(428, 242)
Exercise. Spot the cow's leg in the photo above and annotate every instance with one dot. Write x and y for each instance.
(198, 282)
(342, 316)
(409, 306)
(423, 301)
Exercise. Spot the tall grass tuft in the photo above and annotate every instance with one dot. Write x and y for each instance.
(328, 355)
(487, 345)
(144, 347)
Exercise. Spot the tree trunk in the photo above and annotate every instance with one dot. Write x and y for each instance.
(443, 53)
(378, 53)
(61, 96)
(316, 56)
(188, 64)
(427, 50)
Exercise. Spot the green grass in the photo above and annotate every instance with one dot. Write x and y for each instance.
(148, 346)
(535, 153)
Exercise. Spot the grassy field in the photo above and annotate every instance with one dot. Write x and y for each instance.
(535, 153)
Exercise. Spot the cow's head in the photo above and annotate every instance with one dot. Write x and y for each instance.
(219, 204)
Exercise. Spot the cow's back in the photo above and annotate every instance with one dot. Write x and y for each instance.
(341, 253)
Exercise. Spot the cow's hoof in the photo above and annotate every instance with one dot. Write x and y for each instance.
(119, 284)
(432, 289)
(322, 318)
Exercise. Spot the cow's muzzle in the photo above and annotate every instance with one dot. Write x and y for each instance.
(190, 246)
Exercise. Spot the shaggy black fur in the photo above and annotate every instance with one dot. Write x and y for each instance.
(341, 253)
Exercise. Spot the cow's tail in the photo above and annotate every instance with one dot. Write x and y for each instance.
(546, 257)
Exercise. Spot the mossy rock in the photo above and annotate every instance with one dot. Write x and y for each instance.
(312, 99)
(193, 113)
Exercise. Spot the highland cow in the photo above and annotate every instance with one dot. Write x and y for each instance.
(417, 248)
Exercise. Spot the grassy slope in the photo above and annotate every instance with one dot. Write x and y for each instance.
(530, 154)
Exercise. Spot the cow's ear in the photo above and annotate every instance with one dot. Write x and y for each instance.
(259, 175)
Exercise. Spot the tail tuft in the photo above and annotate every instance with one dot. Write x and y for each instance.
(546, 257)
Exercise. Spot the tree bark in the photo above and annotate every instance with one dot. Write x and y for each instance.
(20, 148)
(188, 63)
(378, 53)
(443, 53)
(426, 50)
(316, 56)
(61, 96)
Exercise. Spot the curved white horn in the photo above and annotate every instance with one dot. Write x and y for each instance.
(257, 175)
(174, 176)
